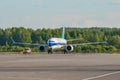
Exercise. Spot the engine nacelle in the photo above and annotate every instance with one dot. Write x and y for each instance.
(69, 48)
(42, 48)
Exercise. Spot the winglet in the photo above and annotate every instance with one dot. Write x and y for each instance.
(63, 33)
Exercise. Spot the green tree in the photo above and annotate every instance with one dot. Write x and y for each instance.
(115, 41)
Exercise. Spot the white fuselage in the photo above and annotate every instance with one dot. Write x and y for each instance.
(56, 43)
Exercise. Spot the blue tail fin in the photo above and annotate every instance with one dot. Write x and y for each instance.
(63, 33)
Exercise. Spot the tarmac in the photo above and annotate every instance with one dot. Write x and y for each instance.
(60, 67)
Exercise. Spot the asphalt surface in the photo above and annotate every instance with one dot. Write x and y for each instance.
(60, 67)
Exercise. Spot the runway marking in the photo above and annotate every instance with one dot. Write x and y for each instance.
(100, 76)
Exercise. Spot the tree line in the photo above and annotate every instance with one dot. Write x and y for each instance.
(84, 35)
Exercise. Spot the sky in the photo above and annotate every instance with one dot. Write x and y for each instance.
(57, 13)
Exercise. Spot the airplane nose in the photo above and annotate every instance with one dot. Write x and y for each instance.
(51, 44)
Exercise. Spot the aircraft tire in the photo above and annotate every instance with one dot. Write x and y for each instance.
(49, 51)
(65, 52)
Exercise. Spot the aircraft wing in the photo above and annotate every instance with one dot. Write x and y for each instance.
(88, 43)
(73, 39)
(32, 44)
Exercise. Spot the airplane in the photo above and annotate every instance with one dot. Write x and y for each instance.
(56, 44)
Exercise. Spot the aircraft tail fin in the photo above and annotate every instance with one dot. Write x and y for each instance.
(63, 33)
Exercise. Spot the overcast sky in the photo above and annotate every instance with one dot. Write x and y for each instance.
(56, 13)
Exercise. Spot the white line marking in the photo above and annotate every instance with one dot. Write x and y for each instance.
(104, 75)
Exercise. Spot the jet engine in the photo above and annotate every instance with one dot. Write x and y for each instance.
(42, 48)
(69, 48)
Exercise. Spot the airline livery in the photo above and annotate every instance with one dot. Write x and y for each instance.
(57, 43)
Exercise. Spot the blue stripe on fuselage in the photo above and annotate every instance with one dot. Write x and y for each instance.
(53, 44)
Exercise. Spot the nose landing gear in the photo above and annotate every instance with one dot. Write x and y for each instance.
(50, 51)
